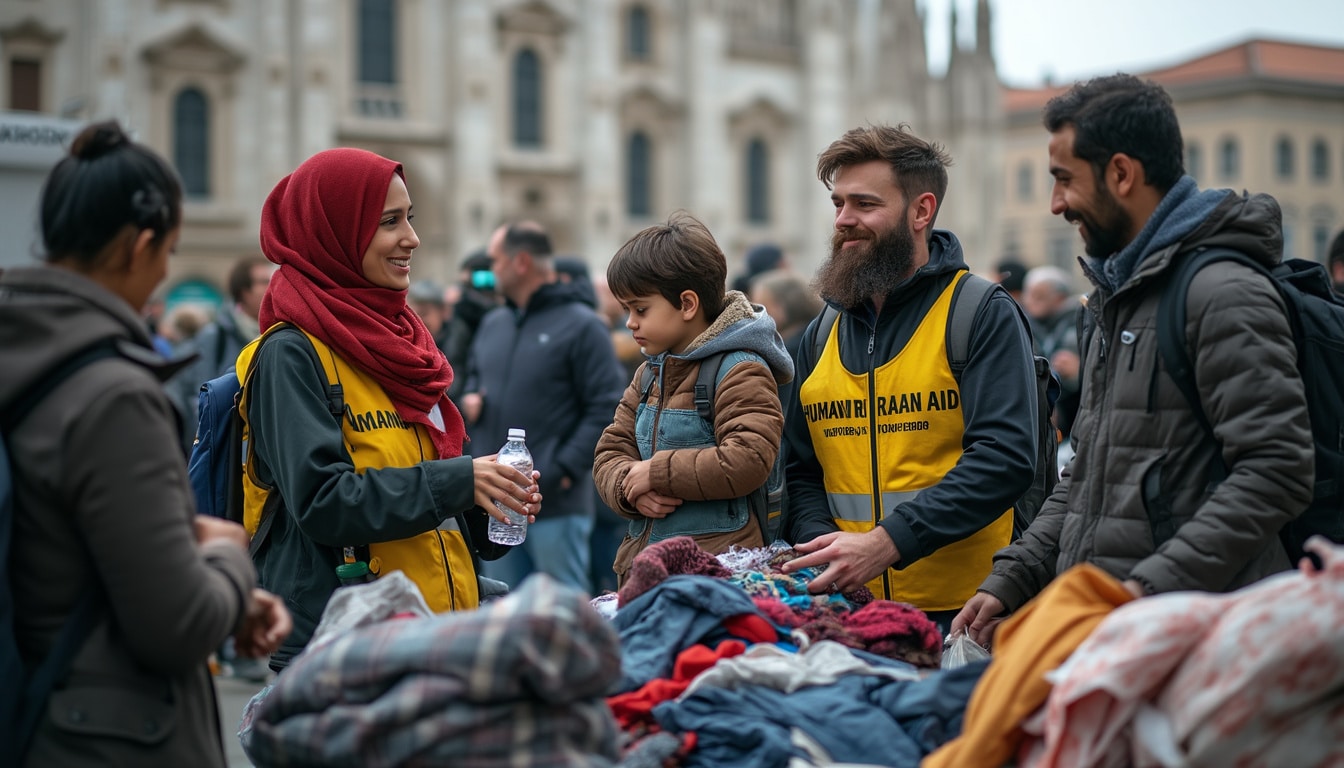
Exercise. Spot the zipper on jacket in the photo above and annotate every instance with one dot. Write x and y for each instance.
(875, 464)
(448, 572)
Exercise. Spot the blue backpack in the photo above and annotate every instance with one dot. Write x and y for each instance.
(218, 453)
(24, 691)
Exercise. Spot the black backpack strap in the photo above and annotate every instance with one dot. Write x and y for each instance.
(52, 378)
(83, 617)
(706, 385)
(825, 321)
(971, 291)
(645, 381)
(1171, 317)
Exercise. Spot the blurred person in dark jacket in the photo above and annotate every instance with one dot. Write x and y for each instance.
(105, 521)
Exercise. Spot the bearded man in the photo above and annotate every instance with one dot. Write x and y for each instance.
(1148, 497)
(901, 473)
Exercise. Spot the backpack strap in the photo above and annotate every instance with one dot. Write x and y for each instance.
(825, 321)
(83, 617)
(707, 385)
(335, 406)
(645, 381)
(971, 291)
(1171, 317)
(52, 378)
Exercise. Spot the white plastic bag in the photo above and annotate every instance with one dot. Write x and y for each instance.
(961, 650)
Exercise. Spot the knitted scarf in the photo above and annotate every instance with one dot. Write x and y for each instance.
(316, 224)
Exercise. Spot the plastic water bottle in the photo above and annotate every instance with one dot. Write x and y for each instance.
(515, 454)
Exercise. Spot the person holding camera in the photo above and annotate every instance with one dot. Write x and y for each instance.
(477, 287)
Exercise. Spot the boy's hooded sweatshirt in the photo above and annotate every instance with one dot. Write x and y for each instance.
(689, 461)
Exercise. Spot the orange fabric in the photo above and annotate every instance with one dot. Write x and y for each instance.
(1035, 640)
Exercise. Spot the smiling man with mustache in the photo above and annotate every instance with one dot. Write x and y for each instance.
(1147, 498)
(902, 472)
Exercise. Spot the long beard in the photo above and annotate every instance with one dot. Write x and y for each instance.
(854, 275)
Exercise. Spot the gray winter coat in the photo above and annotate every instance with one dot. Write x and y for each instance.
(1142, 456)
(103, 500)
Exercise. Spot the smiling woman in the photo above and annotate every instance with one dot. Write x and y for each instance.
(373, 477)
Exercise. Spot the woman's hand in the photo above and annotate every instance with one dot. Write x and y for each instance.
(266, 625)
(505, 484)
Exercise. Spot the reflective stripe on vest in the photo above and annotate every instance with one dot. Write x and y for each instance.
(858, 507)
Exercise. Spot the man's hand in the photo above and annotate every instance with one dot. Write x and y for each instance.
(1134, 588)
(980, 618)
(218, 529)
(656, 505)
(1066, 364)
(267, 624)
(854, 559)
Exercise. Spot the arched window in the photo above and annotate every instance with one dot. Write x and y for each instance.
(377, 41)
(1320, 160)
(1229, 160)
(637, 33)
(1025, 172)
(638, 175)
(757, 189)
(191, 141)
(527, 106)
(1283, 157)
(1194, 160)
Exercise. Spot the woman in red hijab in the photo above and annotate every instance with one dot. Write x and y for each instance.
(384, 482)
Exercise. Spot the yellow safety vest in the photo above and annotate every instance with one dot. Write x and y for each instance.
(881, 439)
(438, 561)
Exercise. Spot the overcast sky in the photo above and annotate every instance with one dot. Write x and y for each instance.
(1073, 39)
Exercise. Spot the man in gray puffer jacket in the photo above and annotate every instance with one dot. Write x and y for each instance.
(1143, 461)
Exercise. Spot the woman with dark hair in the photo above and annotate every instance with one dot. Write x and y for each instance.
(385, 483)
(104, 527)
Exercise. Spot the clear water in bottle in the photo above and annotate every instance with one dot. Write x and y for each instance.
(515, 454)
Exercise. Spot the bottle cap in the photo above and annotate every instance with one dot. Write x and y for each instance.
(517, 433)
(356, 571)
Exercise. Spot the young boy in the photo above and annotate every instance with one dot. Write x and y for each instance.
(659, 463)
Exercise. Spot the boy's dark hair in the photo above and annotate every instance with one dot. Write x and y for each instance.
(240, 275)
(667, 259)
(918, 166)
(106, 182)
(1122, 114)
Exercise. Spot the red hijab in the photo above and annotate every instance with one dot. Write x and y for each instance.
(316, 225)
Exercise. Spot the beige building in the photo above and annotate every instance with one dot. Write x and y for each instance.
(1263, 116)
(596, 117)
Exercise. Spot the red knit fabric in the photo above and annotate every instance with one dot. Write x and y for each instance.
(669, 557)
(316, 224)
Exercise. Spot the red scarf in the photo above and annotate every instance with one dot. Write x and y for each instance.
(316, 225)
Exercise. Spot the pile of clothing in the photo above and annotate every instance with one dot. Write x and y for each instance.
(520, 682)
(729, 662)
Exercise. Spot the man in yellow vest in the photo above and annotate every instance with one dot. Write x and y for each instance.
(902, 471)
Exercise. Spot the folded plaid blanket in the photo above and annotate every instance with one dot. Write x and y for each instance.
(519, 682)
